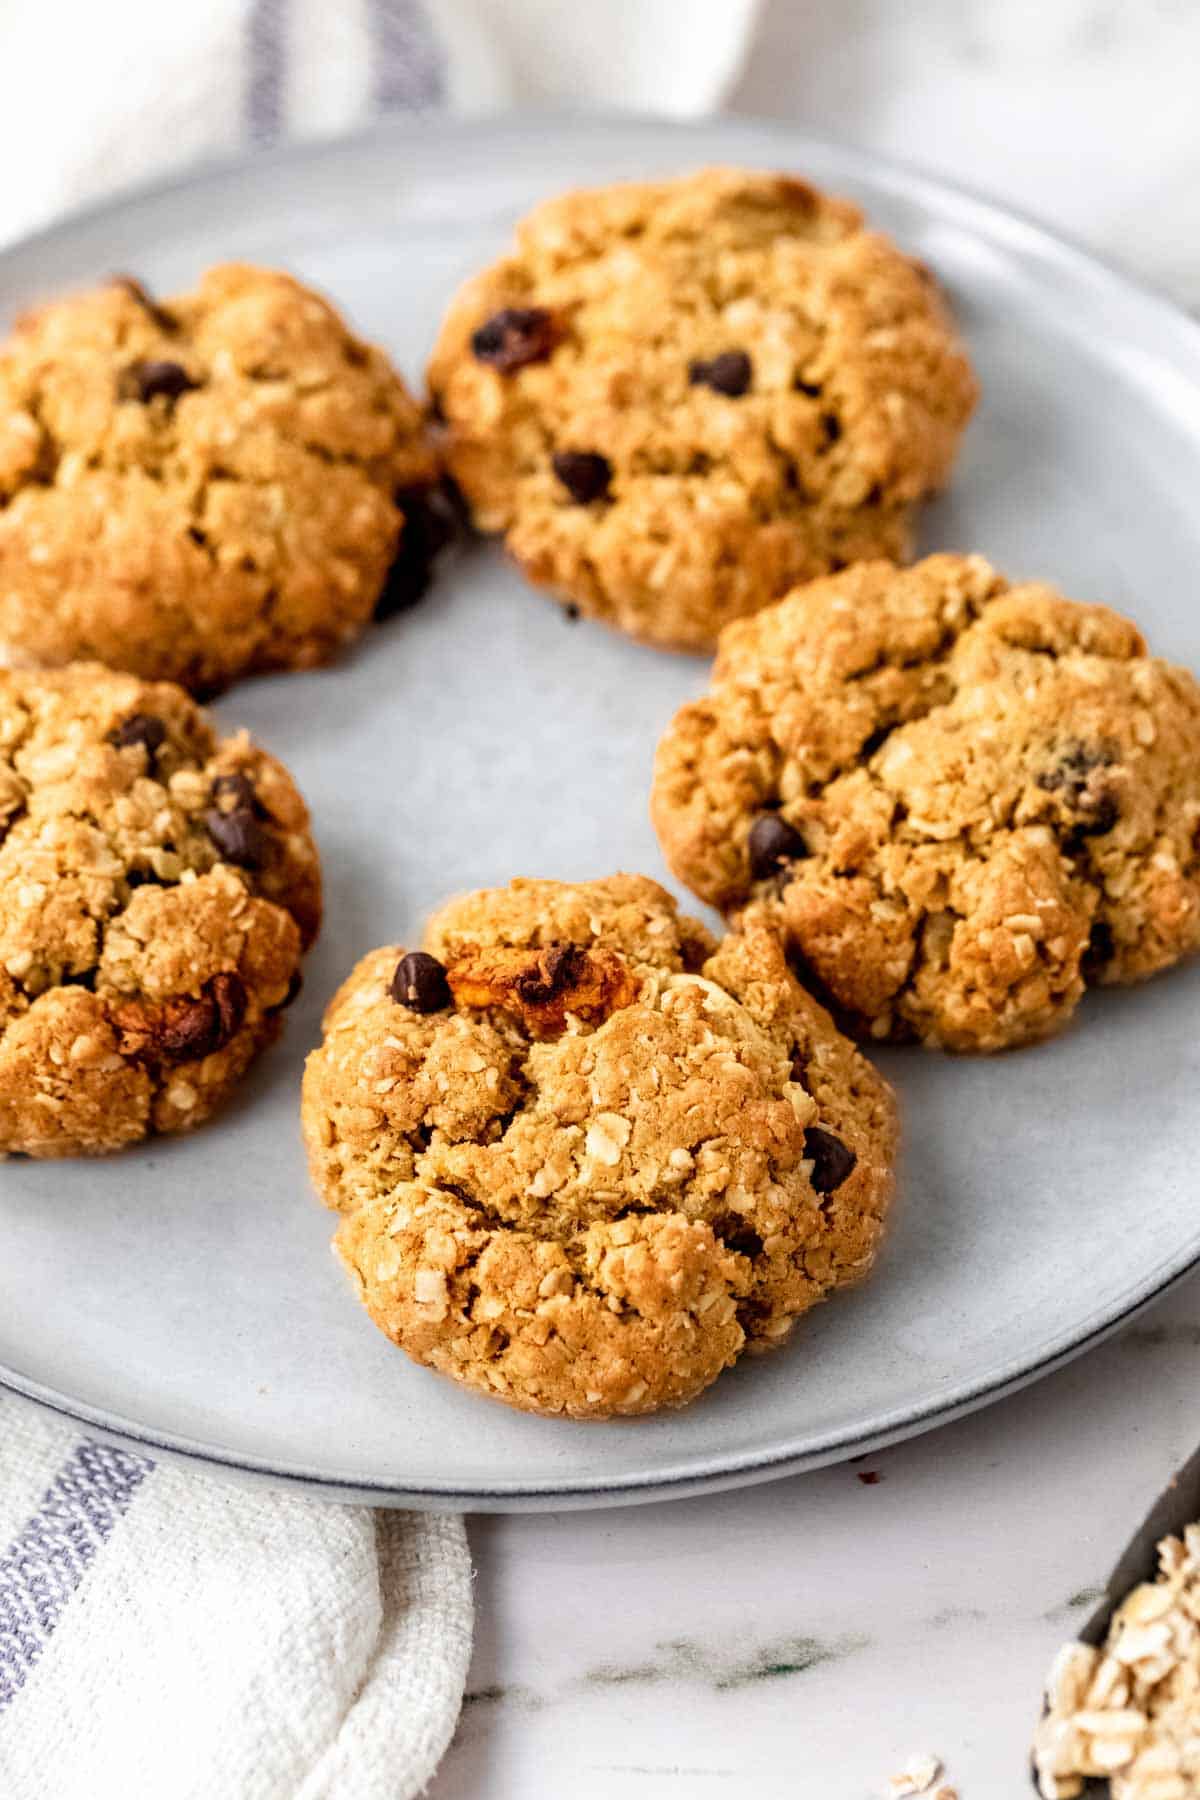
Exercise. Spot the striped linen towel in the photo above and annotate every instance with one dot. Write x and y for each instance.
(165, 1635)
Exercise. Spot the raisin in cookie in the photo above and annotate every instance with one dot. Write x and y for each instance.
(202, 487)
(157, 885)
(960, 800)
(586, 1156)
(679, 398)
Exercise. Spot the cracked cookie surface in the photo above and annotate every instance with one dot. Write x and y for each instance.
(959, 800)
(157, 887)
(677, 399)
(590, 1155)
(202, 487)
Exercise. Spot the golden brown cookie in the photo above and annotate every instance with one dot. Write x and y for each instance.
(959, 801)
(157, 886)
(586, 1156)
(676, 399)
(206, 486)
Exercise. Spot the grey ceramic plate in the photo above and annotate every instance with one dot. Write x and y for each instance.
(183, 1296)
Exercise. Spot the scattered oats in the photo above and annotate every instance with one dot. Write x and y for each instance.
(917, 1776)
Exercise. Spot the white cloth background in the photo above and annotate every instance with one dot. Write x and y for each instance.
(165, 1635)
(95, 97)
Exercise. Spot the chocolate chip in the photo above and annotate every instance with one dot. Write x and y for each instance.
(1101, 948)
(433, 518)
(1095, 820)
(239, 790)
(799, 1069)
(1079, 777)
(143, 729)
(152, 380)
(729, 374)
(420, 983)
(237, 835)
(833, 1162)
(515, 337)
(772, 844)
(1073, 764)
(558, 968)
(585, 474)
(185, 1028)
(165, 320)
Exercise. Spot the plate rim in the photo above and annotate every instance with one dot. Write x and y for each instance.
(711, 1472)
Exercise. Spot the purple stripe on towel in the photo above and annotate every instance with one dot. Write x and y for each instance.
(408, 62)
(50, 1556)
(266, 50)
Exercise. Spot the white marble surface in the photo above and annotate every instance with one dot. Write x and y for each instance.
(798, 1641)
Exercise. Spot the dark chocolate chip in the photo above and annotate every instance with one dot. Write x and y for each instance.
(557, 969)
(1101, 948)
(153, 380)
(833, 1162)
(1080, 780)
(1095, 819)
(237, 835)
(143, 729)
(165, 320)
(1072, 766)
(433, 518)
(730, 373)
(585, 474)
(772, 844)
(192, 1029)
(515, 337)
(420, 983)
(239, 790)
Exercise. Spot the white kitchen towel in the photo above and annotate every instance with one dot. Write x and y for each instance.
(100, 96)
(168, 1636)
(165, 1635)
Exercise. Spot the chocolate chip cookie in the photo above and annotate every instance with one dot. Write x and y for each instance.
(198, 488)
(585, 1155)
(677, 399)
(959, 801)
(157, 886)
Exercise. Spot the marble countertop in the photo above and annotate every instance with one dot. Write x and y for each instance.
(802, 1639)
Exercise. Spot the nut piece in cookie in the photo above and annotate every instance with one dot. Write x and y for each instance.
(226, 482)
(959, 801)
(145, 956)
(584, 1155)
(676, 399)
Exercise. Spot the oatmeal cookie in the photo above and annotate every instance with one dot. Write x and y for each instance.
(959, 800)
(676, 399)
(157, 886)
(585, 1156)
(202, 487)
